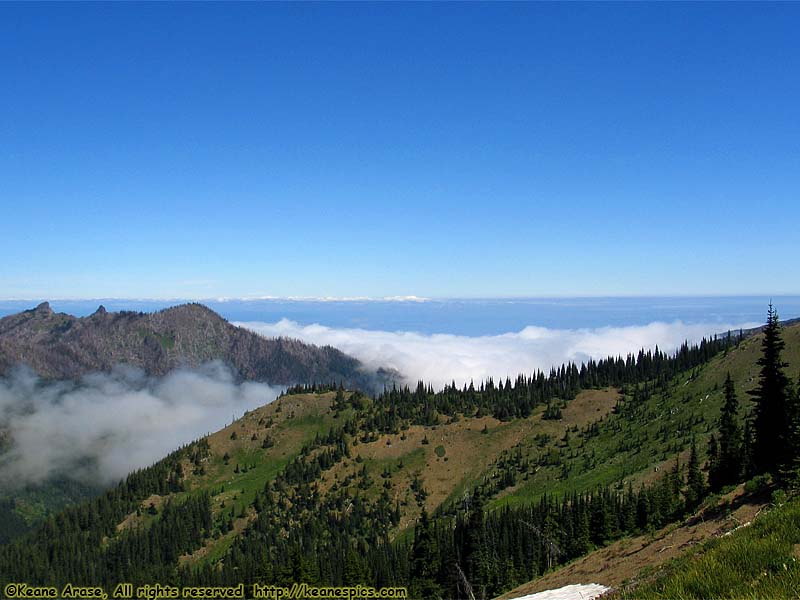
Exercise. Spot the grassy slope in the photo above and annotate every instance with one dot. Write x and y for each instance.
(691, 407)
(470, 455)
(296, 420)
(21, 510)
(701, 396)
(637, 558)
(759, 561)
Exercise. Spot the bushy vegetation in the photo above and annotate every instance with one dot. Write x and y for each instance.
(293, 521)
(759, 561)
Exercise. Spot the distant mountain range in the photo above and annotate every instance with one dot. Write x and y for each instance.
(61, 346)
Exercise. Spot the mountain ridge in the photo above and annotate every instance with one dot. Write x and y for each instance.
(62, 346)
(367, 478)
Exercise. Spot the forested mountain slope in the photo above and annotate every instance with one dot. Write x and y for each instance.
(60, 346)
(473, 489)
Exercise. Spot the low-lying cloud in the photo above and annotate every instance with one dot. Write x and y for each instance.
(442, 358)
(104, 426)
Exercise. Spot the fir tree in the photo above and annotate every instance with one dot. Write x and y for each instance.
(791, 469)
(713, 463)
(695, 484)
(748, 468)
(772, 450)
(728, 468)
(475, 554)
(424, 563)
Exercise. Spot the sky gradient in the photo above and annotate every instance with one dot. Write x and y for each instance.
(450, 150)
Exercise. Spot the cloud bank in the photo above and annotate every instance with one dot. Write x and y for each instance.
(103, 427)
(442, 358)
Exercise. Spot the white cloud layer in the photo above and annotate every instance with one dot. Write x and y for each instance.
(107, 425)
(442, 358)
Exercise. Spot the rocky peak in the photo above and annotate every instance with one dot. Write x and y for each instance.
(60, 346)
(43, 309)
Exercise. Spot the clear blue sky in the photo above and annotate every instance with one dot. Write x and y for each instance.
(201, 150)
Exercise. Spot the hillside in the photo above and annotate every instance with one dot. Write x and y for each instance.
(633, 560)
(760, 558)
(334, 486)
(61, 346)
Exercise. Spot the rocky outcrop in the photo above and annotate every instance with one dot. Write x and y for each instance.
(61, 346)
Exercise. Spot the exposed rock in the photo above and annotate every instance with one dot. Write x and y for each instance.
(43, 309)
(61, 346)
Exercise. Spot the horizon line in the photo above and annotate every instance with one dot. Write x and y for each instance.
(388, 299)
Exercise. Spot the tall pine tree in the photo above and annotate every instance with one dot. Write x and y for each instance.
(695, 484)
(424, 561)
(791, 469)
(772, 451)
(727, 469)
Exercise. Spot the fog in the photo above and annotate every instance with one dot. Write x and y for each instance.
(442, 358)
(104, 426)
(100, 428)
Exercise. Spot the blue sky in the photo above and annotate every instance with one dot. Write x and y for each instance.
(204, 150)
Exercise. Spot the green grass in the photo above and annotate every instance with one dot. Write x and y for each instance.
(263, 465)
(666, 424)
(166, 340)
(689, 408)
(33, 503)
(760, 561)
(412, 461)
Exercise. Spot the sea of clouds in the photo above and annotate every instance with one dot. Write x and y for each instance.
(99, 429)
(442, 358)
(102, 427)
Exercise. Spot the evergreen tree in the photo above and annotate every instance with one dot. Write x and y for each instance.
(713, 463)
(355, 571)
(791, 469)
(475, 555)
(424, 561)
(695, 484)
(748, 468)
(772, 450)
(728, 468)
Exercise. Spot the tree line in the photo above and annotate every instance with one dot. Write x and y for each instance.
(767, 439)
(298, 533)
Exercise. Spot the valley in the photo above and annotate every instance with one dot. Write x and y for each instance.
(374, 467)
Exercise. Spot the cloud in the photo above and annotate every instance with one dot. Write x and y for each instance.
(103, 427)
(106, 425)
(328, 299)
(442, 358)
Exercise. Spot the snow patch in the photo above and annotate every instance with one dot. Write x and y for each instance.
(577, 591)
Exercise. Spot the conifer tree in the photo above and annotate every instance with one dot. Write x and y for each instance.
(791, 468)
(772, 427)
(748, 468)
(728, 467)
(695, 484)
(424, 563)
(713, 463)
(475, 552)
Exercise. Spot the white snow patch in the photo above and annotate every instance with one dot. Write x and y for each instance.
(577, 591)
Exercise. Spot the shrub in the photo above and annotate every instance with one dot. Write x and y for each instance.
(758, 484)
